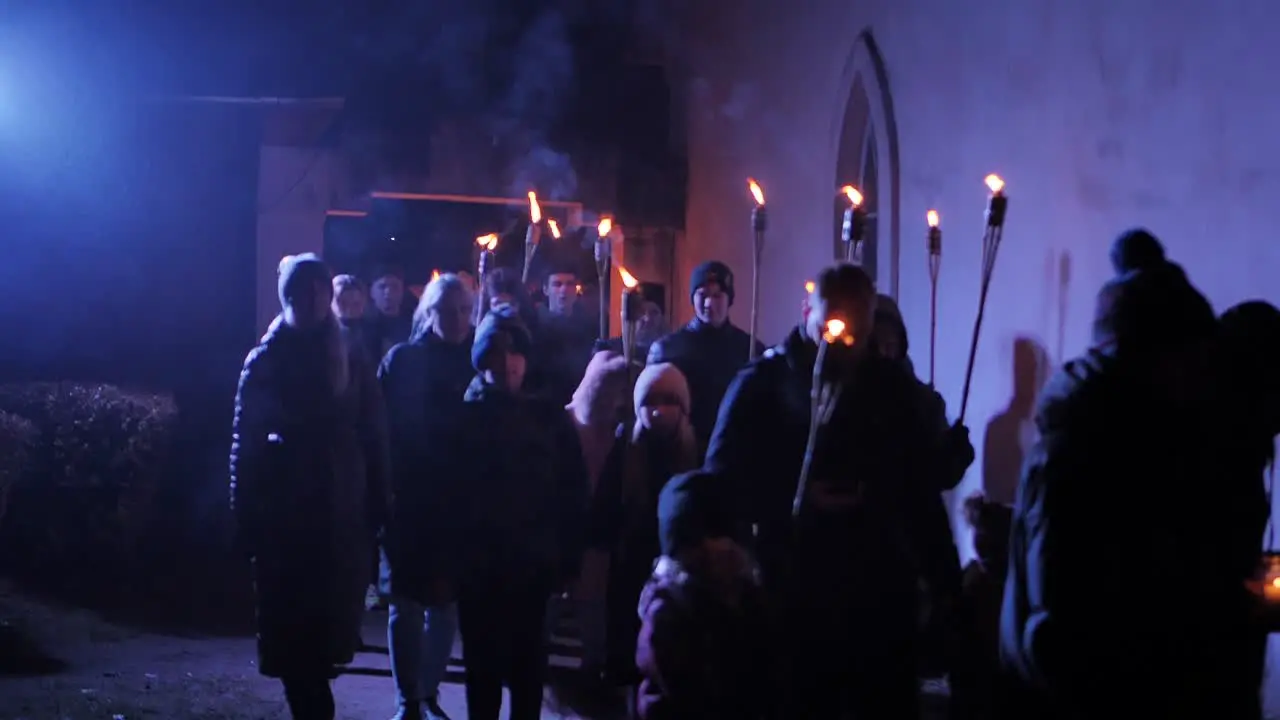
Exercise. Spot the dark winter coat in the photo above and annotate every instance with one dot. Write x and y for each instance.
(877, 440)
(423, 382)
(975, 674)
(1122, 572)
(381, 332)
(702, 652)
(623, 524)
(562, 348)
(709, 357)
(309, 491)
(524, 513)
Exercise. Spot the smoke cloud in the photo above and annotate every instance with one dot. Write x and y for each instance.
(509, 66)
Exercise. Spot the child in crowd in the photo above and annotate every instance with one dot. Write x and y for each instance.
(521, 520)
(976, 668)
(703, 638)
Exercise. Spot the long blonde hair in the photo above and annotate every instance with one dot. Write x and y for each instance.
(432, 296)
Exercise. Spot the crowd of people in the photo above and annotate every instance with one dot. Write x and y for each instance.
(481, 454)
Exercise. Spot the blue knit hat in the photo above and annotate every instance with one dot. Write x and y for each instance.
(501, 329)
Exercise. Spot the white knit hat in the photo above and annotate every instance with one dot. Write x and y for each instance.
(662, 378)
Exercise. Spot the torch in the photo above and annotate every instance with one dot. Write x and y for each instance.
(759, 222)
(804, 305)
(632, 308)
(554, 227)
(854, 227)
(821, 402)
(487, 244)
(603, 253)
(997, 205)
(935, 265)
(435, 275)
(532, 235)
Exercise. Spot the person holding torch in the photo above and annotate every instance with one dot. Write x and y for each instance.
(824, 445)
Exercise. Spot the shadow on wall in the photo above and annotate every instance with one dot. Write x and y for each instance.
(1012, 431)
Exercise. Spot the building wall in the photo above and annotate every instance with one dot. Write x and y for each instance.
(1100, 116)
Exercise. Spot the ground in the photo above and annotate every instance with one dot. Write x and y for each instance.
(102, 670)
(112, 671)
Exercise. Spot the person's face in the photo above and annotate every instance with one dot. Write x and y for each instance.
(661, 414)
(310, 305)
(857, 316)
(349, 305)
(562, 291)
(506, 370)
(711, 304)
(452, 318)
(499, 300)
(649, 326)
(387, 293)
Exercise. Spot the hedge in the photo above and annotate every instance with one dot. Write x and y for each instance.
(83, 473)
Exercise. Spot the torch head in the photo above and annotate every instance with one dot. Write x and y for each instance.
(935, 234)
(554, 227)
(998, 203)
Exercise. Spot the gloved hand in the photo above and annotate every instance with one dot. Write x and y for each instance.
(960, 448)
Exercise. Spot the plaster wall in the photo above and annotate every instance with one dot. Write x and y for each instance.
(1099, 115)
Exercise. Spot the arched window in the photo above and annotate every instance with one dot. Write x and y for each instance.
(866, 142)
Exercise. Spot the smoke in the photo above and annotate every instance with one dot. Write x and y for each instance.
(543, 73)
(507, 66)
(544, 169)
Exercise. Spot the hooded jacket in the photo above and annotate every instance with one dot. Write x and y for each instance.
(1112, 503)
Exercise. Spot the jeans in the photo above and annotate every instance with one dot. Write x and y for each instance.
(420, 640)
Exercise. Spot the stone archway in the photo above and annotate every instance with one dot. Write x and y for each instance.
(865, 138)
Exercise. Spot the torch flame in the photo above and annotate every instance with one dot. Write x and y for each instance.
(932, 217)
(555, 228)
(627, 278)
(851, 192)
(756, 192)
(995, 183)
(535, 210)
(435, 275)
(605, 227)
(809, 287)
(488, 242)
(835, 330)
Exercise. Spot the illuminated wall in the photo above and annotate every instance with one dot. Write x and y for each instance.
(1100, 116)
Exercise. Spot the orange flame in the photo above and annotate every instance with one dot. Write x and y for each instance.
(627, 278)
(605, 227)
(932, 218)
(577, 289)
(809, 287)
(756, 191)
(488, 242)
(555, 228)
(851, 192)
(535, 210)
(835, 331)
(995, 183)
(435, 275)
